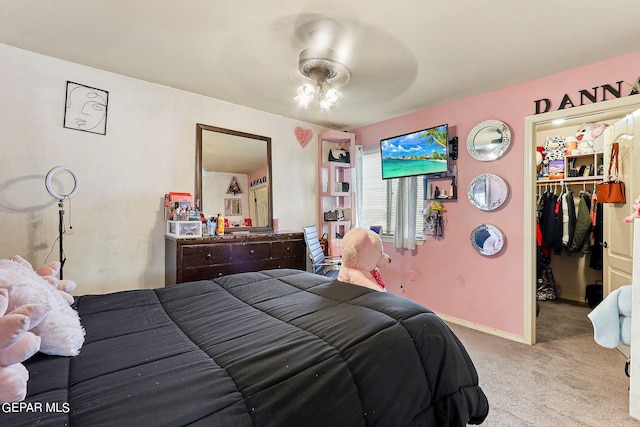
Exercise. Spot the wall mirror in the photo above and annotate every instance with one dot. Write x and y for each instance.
(233, 176)
(488, 192)
(487, 239)
(488, 140)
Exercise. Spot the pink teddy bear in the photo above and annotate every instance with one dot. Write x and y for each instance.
(362, 256)
(636, 211)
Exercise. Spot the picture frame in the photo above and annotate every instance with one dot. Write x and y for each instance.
(85, 108)
(232, 207)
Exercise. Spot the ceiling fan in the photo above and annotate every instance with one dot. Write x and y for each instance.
(340, 52)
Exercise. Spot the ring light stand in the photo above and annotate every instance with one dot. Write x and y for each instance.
(61, 198)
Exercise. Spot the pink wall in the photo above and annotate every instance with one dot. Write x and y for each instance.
(449, 276)
(260, 173)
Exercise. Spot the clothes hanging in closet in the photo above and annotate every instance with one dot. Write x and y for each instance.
(568, 218)
(598, 237)
(550, 218)
(581, 237)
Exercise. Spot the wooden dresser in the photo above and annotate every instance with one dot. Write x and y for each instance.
(209, 257)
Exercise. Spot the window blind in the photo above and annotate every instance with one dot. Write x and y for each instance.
(379, 196)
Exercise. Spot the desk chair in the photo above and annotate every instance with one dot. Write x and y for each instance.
(328, 266)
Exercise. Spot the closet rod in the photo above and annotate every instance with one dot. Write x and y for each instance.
(562, 182)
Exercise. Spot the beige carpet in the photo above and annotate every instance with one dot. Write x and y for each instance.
(566, 379)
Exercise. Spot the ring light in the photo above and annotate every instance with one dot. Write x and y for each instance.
(49, 177)
(61, 197)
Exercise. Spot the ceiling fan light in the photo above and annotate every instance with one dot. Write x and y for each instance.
(320, 66)
(305, 95)
(333, 95)
(325, 105)
(329, 97)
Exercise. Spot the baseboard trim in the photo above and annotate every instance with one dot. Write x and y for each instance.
(481, 328)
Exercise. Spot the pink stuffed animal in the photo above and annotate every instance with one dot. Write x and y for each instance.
(49, 272)
(636, 211)
(362, 256)
(61, 332)
(17, 344)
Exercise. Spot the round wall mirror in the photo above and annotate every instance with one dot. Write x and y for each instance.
(487, 239)
(488, 192)
(488, 140)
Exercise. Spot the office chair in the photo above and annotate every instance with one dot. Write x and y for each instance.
(328, 266)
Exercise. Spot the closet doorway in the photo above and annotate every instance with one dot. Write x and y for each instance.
(617, 235)
(259, 205)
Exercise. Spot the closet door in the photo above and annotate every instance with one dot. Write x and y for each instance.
(618, 235)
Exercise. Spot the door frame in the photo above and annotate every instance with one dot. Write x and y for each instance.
(605, 110)
(253, 204)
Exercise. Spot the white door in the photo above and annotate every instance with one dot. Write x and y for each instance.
(259, 201)
(618, 235)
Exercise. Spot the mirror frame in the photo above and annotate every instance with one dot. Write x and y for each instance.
(501, 185)
(198, 191)
(491, 229)
(493, 154)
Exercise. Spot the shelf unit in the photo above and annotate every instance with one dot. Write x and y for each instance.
(441, 188)
(591, 163)
(335, 190)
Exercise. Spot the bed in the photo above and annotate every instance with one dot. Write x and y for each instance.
(270, 348)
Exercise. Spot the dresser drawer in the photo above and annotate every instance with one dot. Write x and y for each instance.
(248, 252)
(205, 255)
(206, 273)
(286, 249)
(297, 263)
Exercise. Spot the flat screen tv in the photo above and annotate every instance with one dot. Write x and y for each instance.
(425, 152)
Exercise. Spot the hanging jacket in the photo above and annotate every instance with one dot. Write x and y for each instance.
(557, 231)
(565, 218)
(569, 217)
(547, 219)
(551, 223)
(583, 225)
(598, 240)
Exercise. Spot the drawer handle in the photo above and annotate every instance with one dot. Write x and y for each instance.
(219, 274)
(208, 256)
(252, 252)
(288, 249)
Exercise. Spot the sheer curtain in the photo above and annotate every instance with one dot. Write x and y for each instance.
(358, 187)
(406, 207)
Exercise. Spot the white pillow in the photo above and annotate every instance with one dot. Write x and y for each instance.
(60, 331)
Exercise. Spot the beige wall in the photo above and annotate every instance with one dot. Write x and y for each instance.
(117, 240)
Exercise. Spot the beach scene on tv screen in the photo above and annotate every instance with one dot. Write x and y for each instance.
(419, 153)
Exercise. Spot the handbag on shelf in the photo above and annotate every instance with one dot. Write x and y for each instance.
(331, 216)
(339, 155)
(324, 244)
(336, 215)
(612, 191)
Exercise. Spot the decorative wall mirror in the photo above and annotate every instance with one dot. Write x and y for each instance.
(487, 239)
(488, 192)
(488, 140)
(227, 157)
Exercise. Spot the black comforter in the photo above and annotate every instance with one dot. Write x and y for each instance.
(278, 348)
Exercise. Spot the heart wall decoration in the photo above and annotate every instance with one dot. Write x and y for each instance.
(303, 136)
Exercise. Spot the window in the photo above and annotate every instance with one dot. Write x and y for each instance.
(379, 196)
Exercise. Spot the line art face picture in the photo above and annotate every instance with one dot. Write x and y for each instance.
(86, 108)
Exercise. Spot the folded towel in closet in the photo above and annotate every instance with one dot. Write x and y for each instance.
(611, 319)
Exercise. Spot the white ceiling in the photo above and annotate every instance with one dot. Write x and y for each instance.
(404, 55)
